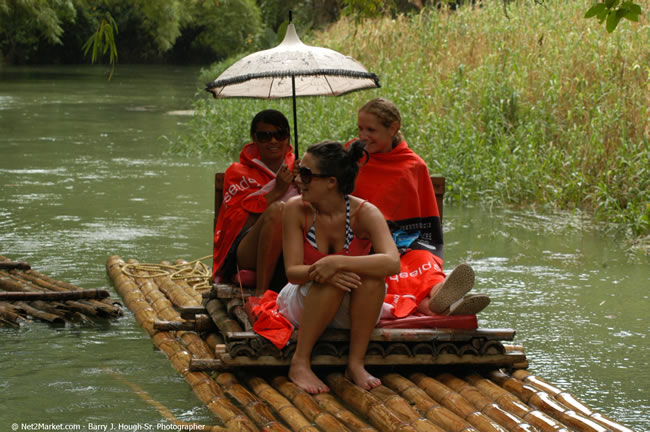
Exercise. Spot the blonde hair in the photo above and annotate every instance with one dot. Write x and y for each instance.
(387, 113)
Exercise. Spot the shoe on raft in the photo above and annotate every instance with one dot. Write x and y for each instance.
(453, 288)
(471, 304)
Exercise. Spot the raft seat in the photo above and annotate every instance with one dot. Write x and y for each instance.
(247, 278)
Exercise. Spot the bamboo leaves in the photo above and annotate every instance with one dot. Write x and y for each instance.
(103, 40)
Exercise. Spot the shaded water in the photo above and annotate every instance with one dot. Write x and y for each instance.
(83, 176)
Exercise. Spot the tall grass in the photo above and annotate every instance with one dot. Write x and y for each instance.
(542, 107)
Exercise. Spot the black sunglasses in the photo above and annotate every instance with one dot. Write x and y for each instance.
(306, 175)
(265, 136)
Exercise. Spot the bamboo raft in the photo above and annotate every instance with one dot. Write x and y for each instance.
(461, 385)
(26, 294)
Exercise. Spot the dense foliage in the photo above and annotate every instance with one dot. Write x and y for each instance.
(543, 108)
(146, 31)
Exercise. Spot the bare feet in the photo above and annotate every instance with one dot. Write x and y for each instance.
(361, 377)
(306, 379)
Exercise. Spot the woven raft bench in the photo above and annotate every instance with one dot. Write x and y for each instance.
(462, 397)
(224, 311)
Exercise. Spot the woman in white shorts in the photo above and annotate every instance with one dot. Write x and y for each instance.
(327, 236)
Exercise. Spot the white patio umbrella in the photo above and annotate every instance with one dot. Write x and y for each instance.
(293, 69)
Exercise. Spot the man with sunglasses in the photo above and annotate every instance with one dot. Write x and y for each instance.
(248, 235)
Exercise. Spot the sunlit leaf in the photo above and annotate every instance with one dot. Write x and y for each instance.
(595, 10)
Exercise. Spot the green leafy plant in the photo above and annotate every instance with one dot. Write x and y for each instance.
(103, 41)
(612, 11)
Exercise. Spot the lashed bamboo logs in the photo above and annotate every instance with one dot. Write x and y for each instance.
(431, 409)
(307, 405)
(456, 403)
(484, 404)
(404, 410)
(328, 402)
(544, 402)
(255, 407)
(367, 404)
(568, 400)
(202, 384)
(43, 298)
(514, 405)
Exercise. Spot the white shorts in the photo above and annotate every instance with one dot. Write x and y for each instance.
(291, 302)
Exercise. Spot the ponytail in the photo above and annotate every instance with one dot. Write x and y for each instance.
(335, 160)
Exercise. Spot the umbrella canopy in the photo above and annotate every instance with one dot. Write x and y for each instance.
(293, 69)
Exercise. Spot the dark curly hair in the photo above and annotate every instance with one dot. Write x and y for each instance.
(335, 160)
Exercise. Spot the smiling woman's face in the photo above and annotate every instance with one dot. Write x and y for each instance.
(272, 149)
(378, 138)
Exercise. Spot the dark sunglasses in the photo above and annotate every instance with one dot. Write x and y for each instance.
(265, 136)
(306, 175)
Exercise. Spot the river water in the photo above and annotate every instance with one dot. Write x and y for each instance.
(84, 175)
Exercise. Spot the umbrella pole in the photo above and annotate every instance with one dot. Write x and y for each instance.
(295, 117)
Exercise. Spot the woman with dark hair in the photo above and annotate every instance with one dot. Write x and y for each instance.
(250, 218)
(333, 281)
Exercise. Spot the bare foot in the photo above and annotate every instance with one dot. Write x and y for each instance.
(361, 377)
(306, 379)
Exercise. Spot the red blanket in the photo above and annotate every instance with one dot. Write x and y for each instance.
(242, 196)
(420, 270)
(398, 182)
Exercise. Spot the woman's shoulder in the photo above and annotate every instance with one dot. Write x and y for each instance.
(361, 206)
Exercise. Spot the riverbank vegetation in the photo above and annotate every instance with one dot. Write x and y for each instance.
(541, 108)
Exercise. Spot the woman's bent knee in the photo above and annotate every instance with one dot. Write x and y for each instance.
(273, 213)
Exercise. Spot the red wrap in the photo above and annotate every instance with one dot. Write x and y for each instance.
(242, 196)
(399, 184)
(420, 271)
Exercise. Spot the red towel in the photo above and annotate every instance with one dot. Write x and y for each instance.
(420, 270)
(269, 323)
(399, 184)
(241, 182)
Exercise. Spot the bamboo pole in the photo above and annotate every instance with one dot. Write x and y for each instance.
(255, 407)
(367, 404)
(17, 265)
(484, 404)
(37, 313)
(545, 403)
(9, 315)
(7, 283)
(431, 409)
(54, 295)
(218, 314)
(177, 291)
(202, 385)
(404, 410)
(328, 402)
(514, 405)
(568, 400)
(104, 306)
(307, 405)
(455, 402)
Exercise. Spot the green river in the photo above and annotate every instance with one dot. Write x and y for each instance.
(84, 175)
